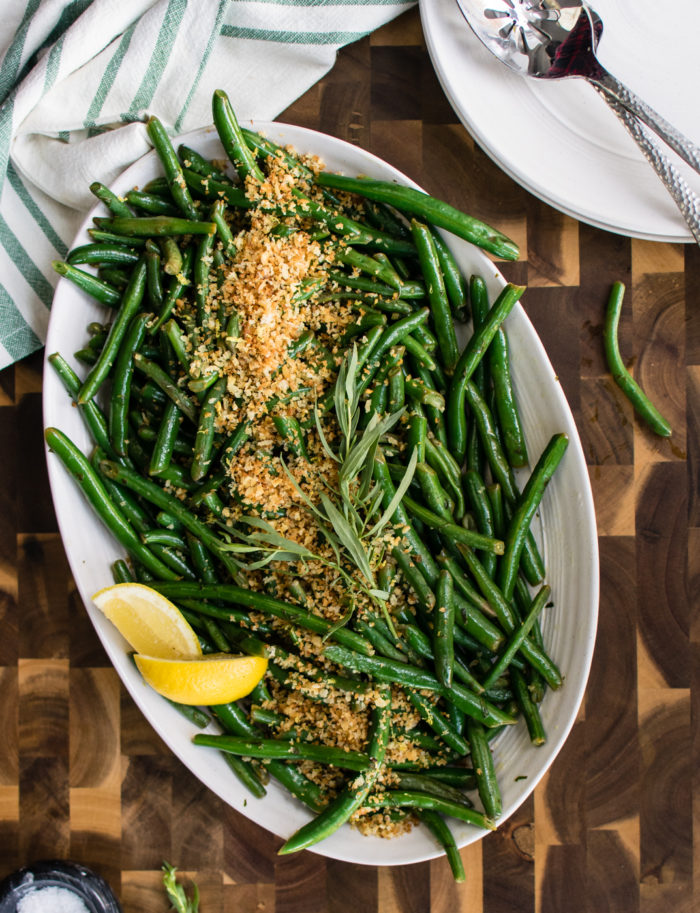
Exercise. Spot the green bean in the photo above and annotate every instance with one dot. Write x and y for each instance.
(171, 165)
(455, 285)
(506, 616)
(121, 572)
(417, 203)
(411, 781)
(223, 231)
(634, 393)
(176, 287)
(121, 382)
(382, 669)
(393, 798)
(155, 226)
(204, 441)
(434, 495)
(280, 749)
(90, 411)
(201, 277)
(129, 306)
(268, 604)
(422, 556)
(463, 584)
(154, 286)
(442, 833)
(163, 537)
(415, 579)
(190, 158)
(114, 203)
(232, 138)
(438, 723)
(453, 530)
(443, 631)
(233, 720)
(476, 706)
(468, 362)
(420, 643)
(167, 385)
(172, 256)
(482, 764)
(352, 232)
(528, 708)
(246, 774)
(212, 189)
(93, 489)
(102, 253)
(429, 342)
(438, 457)
(504, 397)
(517, 638)
(395, 334)
(151, 203)
(481, 510)
(162, 499)
(158, 186)
(377, 289)
(179, 344)
(497, 460)
(418, 392)
(417, 433)
(106, 237)
(291, 431)
(421, 355)
(369, 265)
(114, 276)
(382, 645)
(165, 439)
(439, 305)
(96, 288)
(525, 511)
(356, 792)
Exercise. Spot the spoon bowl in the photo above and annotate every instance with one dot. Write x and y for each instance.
(533, 37)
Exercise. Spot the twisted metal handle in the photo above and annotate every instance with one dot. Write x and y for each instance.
(686, 199)
(613, 90)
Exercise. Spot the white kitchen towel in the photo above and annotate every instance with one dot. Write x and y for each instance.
(77, 79)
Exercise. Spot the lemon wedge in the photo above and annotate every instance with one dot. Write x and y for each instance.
(148, 621)
(214, 679)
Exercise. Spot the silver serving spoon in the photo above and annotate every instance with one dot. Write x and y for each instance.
(547, 39)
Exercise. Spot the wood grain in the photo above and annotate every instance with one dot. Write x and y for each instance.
(614, 824)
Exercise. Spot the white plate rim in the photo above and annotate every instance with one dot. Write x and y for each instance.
(441, 38)
(347, 844)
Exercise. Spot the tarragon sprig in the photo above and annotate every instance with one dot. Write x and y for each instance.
(348, 518)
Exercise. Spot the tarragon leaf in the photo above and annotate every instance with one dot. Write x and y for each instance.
(277, 555)
(341, 621)
(322, 437)
(380, 594)
(398, 496)
(374, 503)
(356, 458)
(348, 538)
(302, 494)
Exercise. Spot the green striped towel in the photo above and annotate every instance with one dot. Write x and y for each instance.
(77, 78)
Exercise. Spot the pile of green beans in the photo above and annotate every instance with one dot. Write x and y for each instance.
(462, 642)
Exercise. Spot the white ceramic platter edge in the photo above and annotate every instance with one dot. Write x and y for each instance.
(567, 520)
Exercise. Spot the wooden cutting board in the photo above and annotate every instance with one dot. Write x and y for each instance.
(83, 776)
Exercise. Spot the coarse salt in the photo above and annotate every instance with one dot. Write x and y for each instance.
(51, 898)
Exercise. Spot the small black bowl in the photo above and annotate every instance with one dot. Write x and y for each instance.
(92, 890)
